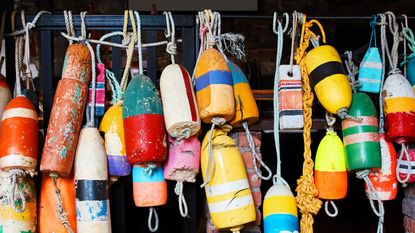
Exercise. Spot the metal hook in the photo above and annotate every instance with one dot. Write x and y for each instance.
(275, 19)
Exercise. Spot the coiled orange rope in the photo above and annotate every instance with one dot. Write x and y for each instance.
(307, 200)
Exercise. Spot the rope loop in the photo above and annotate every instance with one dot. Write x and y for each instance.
(352, 71)
(171, 47)
(326, 208)
(178, 190)
(152, 213)
(17, 197)
(60, 211)
(407, 162)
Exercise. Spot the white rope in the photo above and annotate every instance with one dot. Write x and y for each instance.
(18, 65)
(69, 25)
(178, 189)
(202, 31)
(150, 220)
(384, 48)
(394, 29)
(407, 162)
(29, 25)
(60, 211)
(139, 44)
(326, 209)
(352, 71)
(171, 47)
(17, 191)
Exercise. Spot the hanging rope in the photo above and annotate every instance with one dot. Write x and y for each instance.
(17, 197)
(60, 211)
(178, 189)
(385, 50)
(406, 162)
(152, 213)
(139, 44)
(131, 41)
(307, 200)
(202, 31)
(18, 65)
(394, 29)
(171, 47)
(352, 71)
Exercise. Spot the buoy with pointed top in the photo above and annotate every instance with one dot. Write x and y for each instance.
(5, 94)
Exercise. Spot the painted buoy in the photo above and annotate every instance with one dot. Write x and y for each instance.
(246, 109)
(113, 127)
(10, 220)
(410, 72)
(18, 135)
(328, 79)
(213, 83)
(280, 210)
(331, 166)
(149, 186)
(91, 183)
(179, 102)
(145, 142)
(384, 181)
(228, 194)
(48, 220)
(67, 112)
(361, 138)
(5, 94)
(399, 107)
(99, 104)
(370, 71)
(406, 166)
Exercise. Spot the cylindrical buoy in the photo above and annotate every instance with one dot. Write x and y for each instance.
(113, 127)
(410, 72)
(145, 137)
(18, 135)
(179, 102)
(329, 80)
(330, 166)
(67, 112)
(280, 210)
(48, 205)
(361, 137)
(399, 107)
(213, 83)
(184, 160)
(10, 220)
(5, 94)
(149, 186)
(228, 194)
(384, 181)
(406, 165)
(91, 184)
(246, 108)
(99, 104)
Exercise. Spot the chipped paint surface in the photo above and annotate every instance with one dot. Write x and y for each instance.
(149, 189)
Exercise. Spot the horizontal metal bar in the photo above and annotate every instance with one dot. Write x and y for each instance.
(309, 17)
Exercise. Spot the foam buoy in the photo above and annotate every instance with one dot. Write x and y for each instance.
(280, 210)
(410, 72)
(229, 197)
(91, 183)
(18, 136)
(145, 142)
(10, 220)
(384, 181)
(361, 137)
(179, 102)
(5, 94)
(149, 186)
(213, 83)
(113, 127)
(48, 205)
(329, 80)
(406, 165)
(67, 112)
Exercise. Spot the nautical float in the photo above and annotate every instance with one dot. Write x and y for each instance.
(99, 89)
(228, 195)
(406, 165)
(5, 94)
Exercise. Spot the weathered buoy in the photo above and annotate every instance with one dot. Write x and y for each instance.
(213, 83)
(399, 108)
(99, 104)
(330, 165)
(280, 210)
(410, 72)
(149, 186)
(91, 183)
(384, 181)
(361, 137)
(18, 136)
(406, 165)
(48, 205)
(181, 114)
(113, 127)
(290, 97)
(329, 80)
(5, 94)
(67, 112)
(10, 219)
(246, 109)
(145, 142)
(229, 197)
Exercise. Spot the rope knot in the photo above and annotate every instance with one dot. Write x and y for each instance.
(394, 71)
(126, 40)
(149, 169)
(183, 134)
(171, 48)
(342, 113)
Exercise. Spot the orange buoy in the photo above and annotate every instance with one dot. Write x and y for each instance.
(5, 94)
(67, 112)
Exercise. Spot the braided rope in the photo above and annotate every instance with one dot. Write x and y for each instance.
(60, 211)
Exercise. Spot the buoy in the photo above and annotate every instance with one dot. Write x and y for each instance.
(290, 97)
(10, 220)
(229, 197)
(48, 205)
(384, 181)
(361, 137)
(5, 94)
(406, 165)
(181, 114)
(329, 80)
(410, 72)
(280, 210)
(67, 112)
(91, 183)
(99, 104)
(246, 109)
(113, 127)
(145, 142)
(18, 136)
(213, 83)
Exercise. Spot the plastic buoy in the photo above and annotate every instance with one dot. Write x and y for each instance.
(5, 94)
(410, 72)
(67, 112)
(149, 186)
(113, 127)
(91, 183)
(406, 165)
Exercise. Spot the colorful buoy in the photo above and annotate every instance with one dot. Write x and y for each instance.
(91, 183)
(410, 72)
(406, 165)
(149, 186)
(99, 104)
(5, 94)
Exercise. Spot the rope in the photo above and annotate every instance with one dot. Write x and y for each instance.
(60, 211)
(326, 208)
(407, 162)
(130, 51)
(149, 169)
(178, 189)
(307, 200)
(18, 65)
(394, 29)
(352, 71)
(29, 25)
(150, 220)
(202, 31)
(296, 15)
(139, 44)
(17, 197)
(384, 48)
(171, 47)
(69, 25)
(373, 194)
